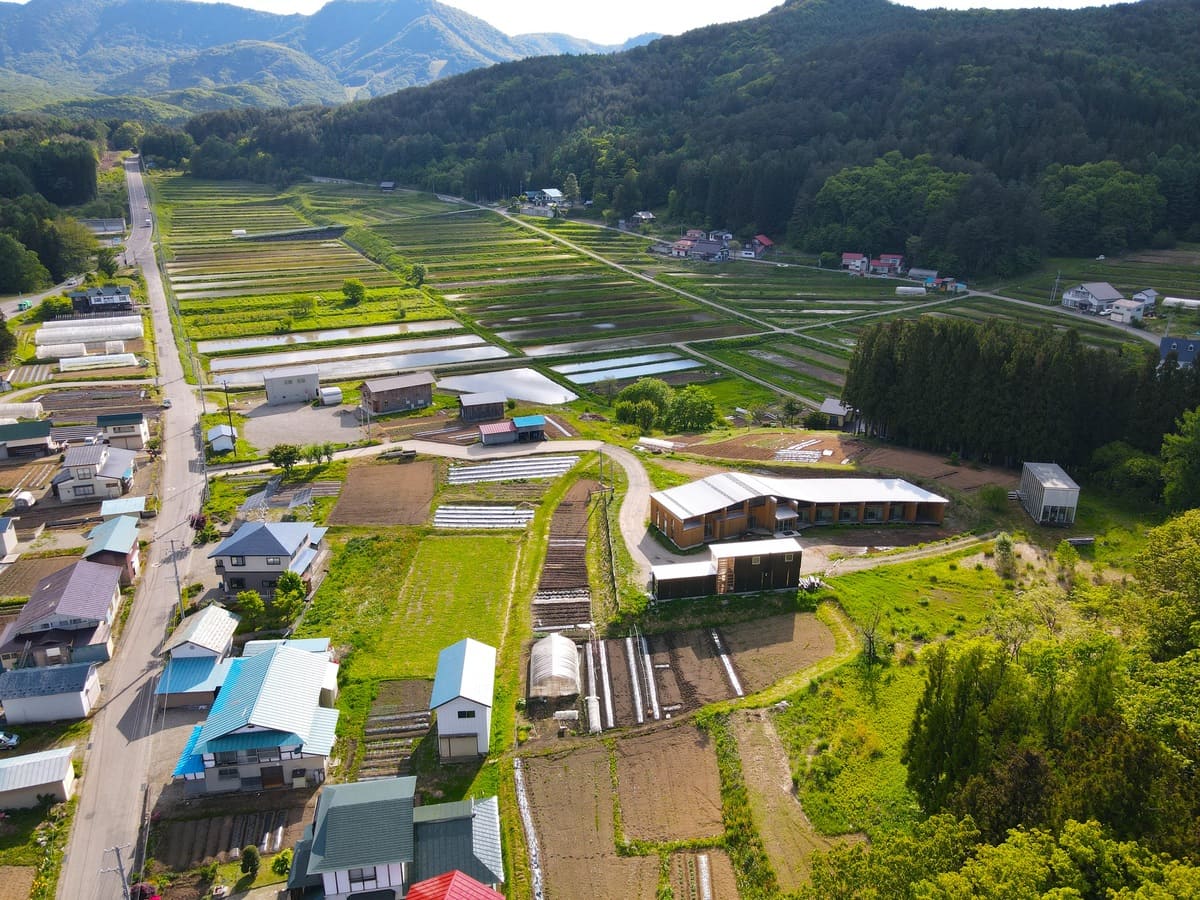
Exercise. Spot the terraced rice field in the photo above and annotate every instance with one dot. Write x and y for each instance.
(622, 247)
(546, 298)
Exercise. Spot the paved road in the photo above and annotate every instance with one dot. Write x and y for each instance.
(115, 766)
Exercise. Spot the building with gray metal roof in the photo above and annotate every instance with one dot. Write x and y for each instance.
(24, 780)
(49, 693)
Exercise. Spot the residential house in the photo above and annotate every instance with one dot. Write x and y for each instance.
(708, 250)
(454, 885)
(266, 729)
(221, 438)
(254, 556)
(643, 217)
(25, 780)
(197, 663)
(482, 407)
(398, 393)
(837, 412)
(130, 431)
(736, 568)
(682, 248)
(369, 839)
(545, 196)
(94, 472)
(1149, 300)
(49, 693)
(316, 646)
(26, 439)
(68, 618)
(104, 299)
(298, 385)
(8, 536)
(462, 698)
(761, 244)
(1182, 349)
(387, 187)
(1048, 494)
(1127, 312)
(696, 234)
(115, 543)
(732, 504)
(855, 263)
(1091, 297)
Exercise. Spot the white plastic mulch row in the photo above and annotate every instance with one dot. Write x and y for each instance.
(481, 517)
(512, 469)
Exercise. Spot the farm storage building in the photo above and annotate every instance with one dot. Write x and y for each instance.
(1048, 494)
(481, 407)
(737, 568)
(25, 779)
(26, 439)
(331, 396)
(530, 428)
(402, 392)
(49, 693)
(498, 432)
(300, 385)
(733, 504)
(554, 668)
(462, 698)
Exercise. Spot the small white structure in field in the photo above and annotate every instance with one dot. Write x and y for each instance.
(24, 780)
(1048, 494)
(331, 396)
(554, 667)
(299, 385)
(462, 698)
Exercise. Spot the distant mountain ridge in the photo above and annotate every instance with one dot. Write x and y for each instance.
(197, 56)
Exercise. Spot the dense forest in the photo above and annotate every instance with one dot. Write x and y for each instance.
(45, 165)
(1002, 393)
(1034, 131)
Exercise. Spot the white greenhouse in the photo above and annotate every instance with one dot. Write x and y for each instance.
(111, 347)
(79, 363)
(22, 410)
(95, 331)
(554, 668)
(61, 351)
(56, 324)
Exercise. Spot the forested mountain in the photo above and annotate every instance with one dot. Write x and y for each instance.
(741, 125)
(78, 49)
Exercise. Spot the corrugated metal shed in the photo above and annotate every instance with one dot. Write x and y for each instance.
(210, 628)
(117, 535)
(45, 681)
(33, 769)
(466, 669)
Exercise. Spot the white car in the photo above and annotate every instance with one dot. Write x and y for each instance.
(8, 741)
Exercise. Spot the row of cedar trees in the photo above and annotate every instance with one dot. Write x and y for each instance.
(1002, 393)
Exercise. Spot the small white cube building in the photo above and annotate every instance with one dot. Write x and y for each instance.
(462, 698)
(299, 385)
(1048, 494)
(49, 693)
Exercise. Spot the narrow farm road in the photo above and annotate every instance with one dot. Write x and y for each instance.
(114, 788)
(1149, 336)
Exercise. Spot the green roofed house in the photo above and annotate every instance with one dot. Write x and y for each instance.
(369, 837)
(127, 430)
(26, 439)
(115, 543)
(266, 729)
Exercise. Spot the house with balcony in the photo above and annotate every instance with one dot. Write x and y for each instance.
(267, 728)
(1091, 297)
(94, 472)
(370, 839)
(67, 619)
(254, 556)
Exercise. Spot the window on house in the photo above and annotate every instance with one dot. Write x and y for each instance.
(237, 560)
(756, 560)
(228, 774)
(225, 757)
(85, 490)
(360, 877)
(787, 557)
(272, 560)
(466, 713)
(237, 584)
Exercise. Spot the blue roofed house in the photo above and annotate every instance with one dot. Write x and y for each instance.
(254, 556)
(197, 665)
(68, 618)
(462, 698)
(266, 729)
(369, 837)
(94, 472)
(115, 543)
(1182, 349)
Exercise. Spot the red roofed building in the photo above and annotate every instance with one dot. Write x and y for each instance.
(452, 886)
(855, 263)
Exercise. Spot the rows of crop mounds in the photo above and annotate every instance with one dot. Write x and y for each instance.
(305, 357)
(289, 267)
(784, 365)
(512, 469)
(493, 517)
(366, 205)
(609, 243)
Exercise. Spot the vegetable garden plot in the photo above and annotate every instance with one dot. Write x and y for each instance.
(686, 804)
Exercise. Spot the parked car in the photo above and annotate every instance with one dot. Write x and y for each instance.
(166, 404)
(8, 741)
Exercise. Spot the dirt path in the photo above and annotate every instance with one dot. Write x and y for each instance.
(846, 565)
(788, 836)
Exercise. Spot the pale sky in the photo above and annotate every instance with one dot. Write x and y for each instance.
(613, 21)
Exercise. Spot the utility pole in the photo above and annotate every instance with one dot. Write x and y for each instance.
(178, 589)
(228, 413)
(119, 869)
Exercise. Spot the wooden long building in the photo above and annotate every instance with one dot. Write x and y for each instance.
(734, 504)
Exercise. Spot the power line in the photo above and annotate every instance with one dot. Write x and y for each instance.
(119, 869)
